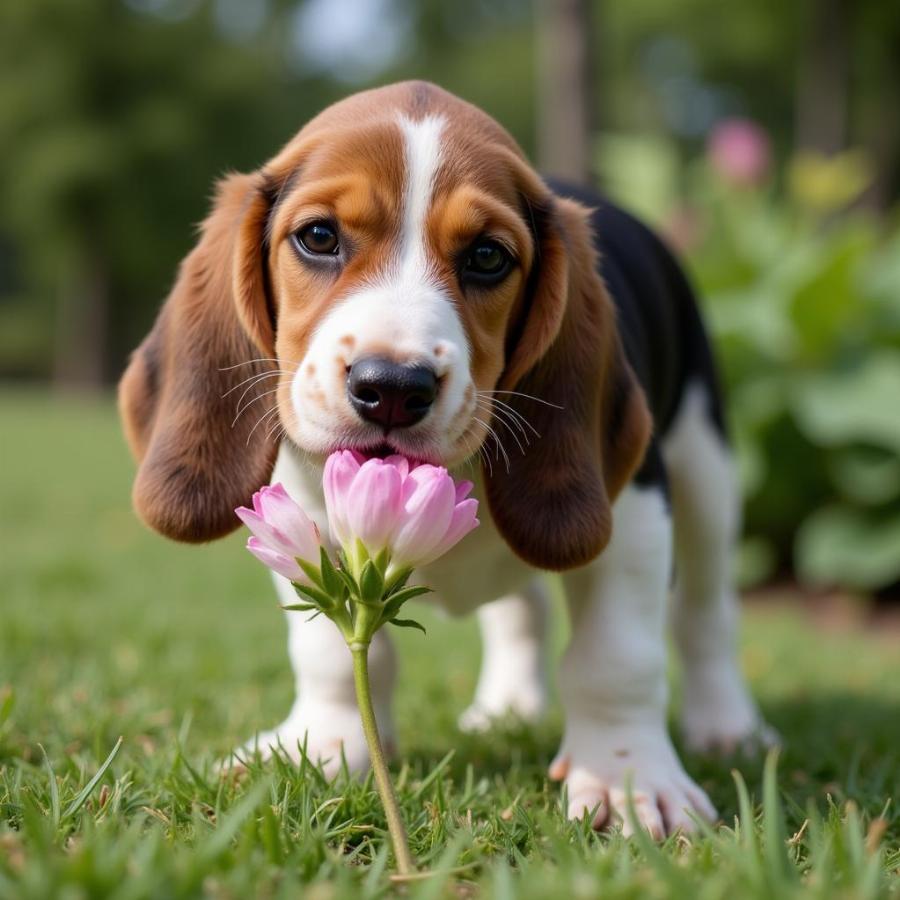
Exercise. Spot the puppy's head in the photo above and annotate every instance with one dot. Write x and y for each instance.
(396, 279)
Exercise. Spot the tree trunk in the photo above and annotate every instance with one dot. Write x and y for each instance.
(880, 131)
(81, 325)
(564, 89)
(823, 82)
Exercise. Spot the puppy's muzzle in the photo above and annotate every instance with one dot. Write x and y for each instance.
(389, 394)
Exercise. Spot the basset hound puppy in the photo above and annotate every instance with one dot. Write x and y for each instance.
(398, 279)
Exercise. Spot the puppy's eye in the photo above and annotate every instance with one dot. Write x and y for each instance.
(487, 262)
(319, 238)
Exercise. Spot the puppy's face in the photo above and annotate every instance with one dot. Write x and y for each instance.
(398, 253)
(395, 266)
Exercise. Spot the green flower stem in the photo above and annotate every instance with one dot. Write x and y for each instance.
(405, 863)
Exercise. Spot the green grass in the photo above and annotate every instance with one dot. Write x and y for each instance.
(107, 630)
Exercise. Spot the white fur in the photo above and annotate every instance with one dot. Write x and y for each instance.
(405, 308)
(613, 678)
(513, 677)
(422, 141)
(718, 712)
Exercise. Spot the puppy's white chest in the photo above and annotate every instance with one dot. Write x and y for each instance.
(479, 569)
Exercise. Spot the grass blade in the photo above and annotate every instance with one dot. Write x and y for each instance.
(79, 801)
(237, 815)
(54, 789)
(433, 775)
(773, 823)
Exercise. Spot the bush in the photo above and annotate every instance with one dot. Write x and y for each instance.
(805, 308)
(804, 304)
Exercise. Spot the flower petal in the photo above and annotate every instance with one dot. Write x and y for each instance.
(400, 463)
(373, 510)
(463, 521)
(276, 561)
(341, 469)
(289, 520)
(264, 531)
(427, 511)
(280, 524)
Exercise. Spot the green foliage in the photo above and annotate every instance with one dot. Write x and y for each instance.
(109, 631)
(806, 314)
(803, 302)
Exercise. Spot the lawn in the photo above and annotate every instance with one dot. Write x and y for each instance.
(108, 631)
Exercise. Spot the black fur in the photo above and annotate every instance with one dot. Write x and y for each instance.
(664, 337)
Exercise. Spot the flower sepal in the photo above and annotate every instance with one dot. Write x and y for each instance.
(394, 579)
(309, 594)
(371, 584)
(358, 605)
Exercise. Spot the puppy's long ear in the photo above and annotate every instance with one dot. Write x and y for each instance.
(553, 505)
(195, 465)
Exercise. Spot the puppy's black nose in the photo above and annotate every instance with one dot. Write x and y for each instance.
(389, 394)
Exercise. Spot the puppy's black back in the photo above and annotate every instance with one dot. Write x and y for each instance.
(663, 333)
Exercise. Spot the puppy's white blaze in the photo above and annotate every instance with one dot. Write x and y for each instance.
(422, 143)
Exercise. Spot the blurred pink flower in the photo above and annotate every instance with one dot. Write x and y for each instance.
(740, 151)
(417, 512)
(282, 532)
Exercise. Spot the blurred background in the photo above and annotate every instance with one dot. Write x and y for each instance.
(762, 139)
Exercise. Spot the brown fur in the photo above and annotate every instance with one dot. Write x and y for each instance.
(548, 329)
(553, 506)
(194, 467)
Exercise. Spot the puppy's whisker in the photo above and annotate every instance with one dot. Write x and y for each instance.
(482, 455)
(260, 420)
(250, 362)
(506, 416)
(491, 406)
(468, 462)
(493, 411)
(277, 430)
(250, 403)
(254, 378)
(246, 391)
(527, 397)
(485, 456)
(513, 411)
(497, 443)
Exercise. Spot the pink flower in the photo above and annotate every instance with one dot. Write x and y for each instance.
(282, 532)
(417, 512)
(739, 150)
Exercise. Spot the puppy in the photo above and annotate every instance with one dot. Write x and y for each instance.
(399, 280)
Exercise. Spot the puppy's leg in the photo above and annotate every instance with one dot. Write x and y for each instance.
(613, 679)
(513, 677)
(718, 712)
(325, 715)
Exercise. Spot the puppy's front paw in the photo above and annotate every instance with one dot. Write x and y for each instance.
(600, 765)
(719, 717)
(323, 733)
(528, 706)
